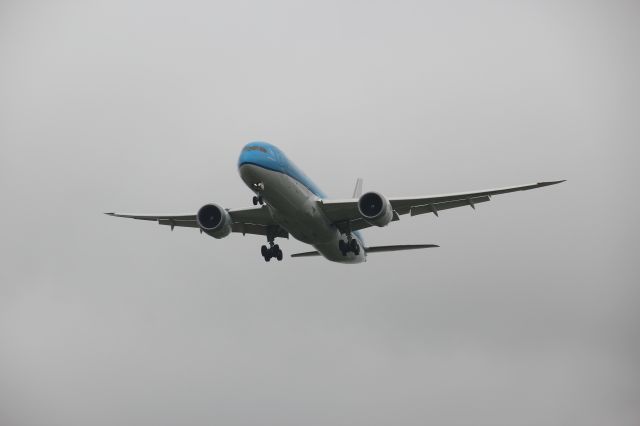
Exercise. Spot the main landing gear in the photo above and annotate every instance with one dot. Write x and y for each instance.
(351, 245)
(271, 252)
(258, 200)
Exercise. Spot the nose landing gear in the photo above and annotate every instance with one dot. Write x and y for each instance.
(258, 187)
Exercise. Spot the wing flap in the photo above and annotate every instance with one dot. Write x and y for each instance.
(251, 228)
(358, 224)
(340, 210)
(177, 222)
(256, 215)
(436, 207)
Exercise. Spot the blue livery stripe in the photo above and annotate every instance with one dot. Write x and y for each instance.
(267, 156)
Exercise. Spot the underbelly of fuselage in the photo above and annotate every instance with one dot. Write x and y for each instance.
(295, 208)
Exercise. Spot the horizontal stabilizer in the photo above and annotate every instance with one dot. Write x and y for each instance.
(380, 249)
(306, 254)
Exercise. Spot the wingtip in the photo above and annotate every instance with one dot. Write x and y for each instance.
(551, 182)
(110, 214)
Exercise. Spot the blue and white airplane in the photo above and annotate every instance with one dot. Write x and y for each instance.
(291, 204)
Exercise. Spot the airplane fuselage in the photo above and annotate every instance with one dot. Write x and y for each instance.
(292, 199)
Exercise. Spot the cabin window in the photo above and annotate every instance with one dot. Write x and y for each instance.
(255, 148)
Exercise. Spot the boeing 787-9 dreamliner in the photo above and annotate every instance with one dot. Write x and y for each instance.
(287, 202)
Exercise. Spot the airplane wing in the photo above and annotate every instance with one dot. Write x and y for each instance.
(253, 220)
(344, 213)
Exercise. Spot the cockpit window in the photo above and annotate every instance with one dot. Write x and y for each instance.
(255, 148)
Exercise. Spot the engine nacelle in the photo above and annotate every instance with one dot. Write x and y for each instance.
(214, 220)
(375, 209)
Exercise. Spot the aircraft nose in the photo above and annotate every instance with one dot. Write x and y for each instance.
(254, 153)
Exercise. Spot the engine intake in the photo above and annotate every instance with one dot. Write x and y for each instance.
(214, 220)
(375, 209)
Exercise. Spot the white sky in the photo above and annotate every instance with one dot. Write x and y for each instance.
(527, 314)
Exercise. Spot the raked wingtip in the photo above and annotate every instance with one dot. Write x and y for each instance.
(551, 182)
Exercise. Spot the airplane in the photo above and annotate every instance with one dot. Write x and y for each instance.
(287, 202)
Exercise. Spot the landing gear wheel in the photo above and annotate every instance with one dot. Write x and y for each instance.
(342, 246)
(255, 201)
(260, 200)
(350, 246)
(270, 252)
(355, 247)
(267, 253)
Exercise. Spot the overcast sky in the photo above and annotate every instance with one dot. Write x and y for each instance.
(526, 315)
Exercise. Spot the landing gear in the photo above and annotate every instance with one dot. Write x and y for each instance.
(343, 247)
(270, 252)
(349, 246)
(273, 250)
(355, 247)
(258, 187)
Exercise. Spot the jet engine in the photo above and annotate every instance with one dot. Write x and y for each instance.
(375, 209)
(214, 220)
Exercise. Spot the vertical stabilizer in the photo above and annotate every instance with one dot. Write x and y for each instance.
(357, 191)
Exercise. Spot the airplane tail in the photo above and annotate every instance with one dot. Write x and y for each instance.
(375, 249)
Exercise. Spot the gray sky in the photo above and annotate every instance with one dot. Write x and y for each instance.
(527, 314)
